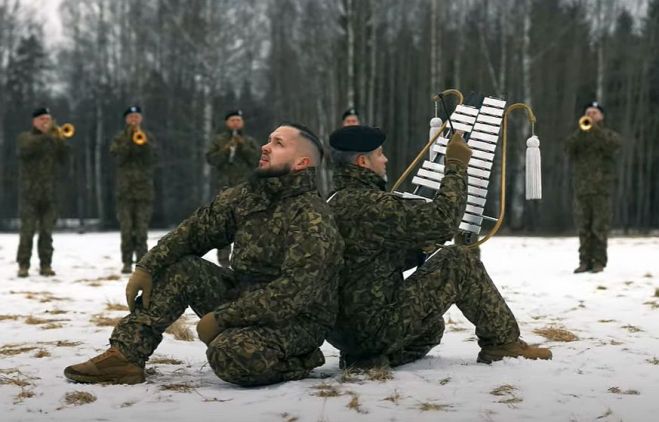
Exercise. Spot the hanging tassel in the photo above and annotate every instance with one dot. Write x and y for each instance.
(533, 169)
(435, 124)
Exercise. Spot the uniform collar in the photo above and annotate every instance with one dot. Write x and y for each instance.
(353, 176)
(289, 185)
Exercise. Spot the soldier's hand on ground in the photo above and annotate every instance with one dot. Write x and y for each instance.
(208, 328)
(140, 280)
(457, 150)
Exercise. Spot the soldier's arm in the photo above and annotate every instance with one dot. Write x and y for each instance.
(572, 144)
(249, 151)
(415, 224)
(119, 147)
(209, 227)
(30, 145)
(315, 248)
(217, 154)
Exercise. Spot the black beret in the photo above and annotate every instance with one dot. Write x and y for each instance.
(40, 112)
(349, 112)
(357, 138)
(593, 104)
(132, 109)
(232, 113)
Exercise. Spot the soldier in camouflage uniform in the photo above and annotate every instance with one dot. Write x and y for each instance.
(40, 152)
(233, 155)
(134, 187)
(263, 320)
(383, 318)
(593, 154)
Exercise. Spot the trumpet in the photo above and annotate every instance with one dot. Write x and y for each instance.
(139, 137)
(585, 123)
(66, 131)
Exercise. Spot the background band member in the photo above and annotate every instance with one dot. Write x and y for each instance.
(592, 150)
(263, 320)
(385, 319)
(350, 117)
(134, 151)
(40, 152)
(233, 155)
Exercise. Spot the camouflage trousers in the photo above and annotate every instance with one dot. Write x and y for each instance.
(247, 356)
(134, 217)
(414, 324)
(593, 218)
(41, 214)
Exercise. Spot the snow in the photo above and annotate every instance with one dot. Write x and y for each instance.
(610, 373)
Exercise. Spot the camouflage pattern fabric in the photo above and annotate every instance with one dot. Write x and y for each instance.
(40, 156)
(134, 191)
(380, 313)
(593, 157)
(232, 170)
(275, 306)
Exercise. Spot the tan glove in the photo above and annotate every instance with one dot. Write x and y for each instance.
(140, 280)
(208, 328)
(457, 150)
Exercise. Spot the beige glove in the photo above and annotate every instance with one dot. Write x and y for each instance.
(208, 328)
(457, 150)
(139, 280)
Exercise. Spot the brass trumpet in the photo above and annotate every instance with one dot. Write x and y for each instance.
(66, 131)
(585, 123)
(139, 137)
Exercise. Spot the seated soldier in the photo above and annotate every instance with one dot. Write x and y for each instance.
(263, 321)
(383, 318)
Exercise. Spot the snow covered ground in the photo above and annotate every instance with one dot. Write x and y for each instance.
(610, 372)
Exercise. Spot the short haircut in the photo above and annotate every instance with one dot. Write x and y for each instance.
(309, 135)
(343, 158)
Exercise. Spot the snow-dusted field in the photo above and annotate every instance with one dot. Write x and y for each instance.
(609, 373)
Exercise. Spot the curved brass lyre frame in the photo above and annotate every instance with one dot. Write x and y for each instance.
(504, 146)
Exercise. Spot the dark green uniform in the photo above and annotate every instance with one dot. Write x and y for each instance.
(277, 303)
(39, 156)
(233, 157)
(593, 159)
(134, 191)
(381, 314)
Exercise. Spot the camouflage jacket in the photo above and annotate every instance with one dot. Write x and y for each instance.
(379, 230)
(593, 157)
(39, 156)
(233, 168)
(287, 250)
(135, 166)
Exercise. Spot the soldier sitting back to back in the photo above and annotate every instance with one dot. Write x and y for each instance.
(263, 321)
(383, 318)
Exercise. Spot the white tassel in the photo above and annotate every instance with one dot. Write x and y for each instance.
(533, 169)
(435, 124)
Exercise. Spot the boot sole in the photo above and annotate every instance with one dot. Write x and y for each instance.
(91, 379)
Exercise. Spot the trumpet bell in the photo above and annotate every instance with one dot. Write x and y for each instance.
(66, 131)
(585, 123)
(139, 138)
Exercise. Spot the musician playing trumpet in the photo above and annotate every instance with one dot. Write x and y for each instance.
(133, 149)
(233, 156)
(592, 149)
(41, 151)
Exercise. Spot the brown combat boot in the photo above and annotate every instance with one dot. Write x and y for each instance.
(127, 268)
(23, 271)
(582, 268)
(363, 363)
(597, 268)
(46, 271)
(109, 367)
(517, 349)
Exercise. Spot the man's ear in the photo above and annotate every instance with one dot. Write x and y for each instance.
(362, 160)
(301, 163)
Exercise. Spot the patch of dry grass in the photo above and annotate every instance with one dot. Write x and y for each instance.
(605, 321)
(433, 407)
(355, 405)
(57, 311)
(32, 320)
(65, 343)
(326, 390)
(15, 349)
(78, 398)
(9, 317)
(101, 320)
(381, 374)
(165, 361)
(653, 361)
(601, 288)
(115, 306)
(180, 330)
(647, 275)
(42, 297)
(394, 397)
(503, 390)
(656, 292)
(14, 376)
(43, 353)
(617, 390)
(631, 328)
(616, 342)
(556, 333)
(178, 387)
(287, 417)
(96, 282)
(444, 381)
(652, 303)
(349, 375)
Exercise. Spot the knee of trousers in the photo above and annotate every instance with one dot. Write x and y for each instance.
(184, 264)
(454, 255)
(238, 365)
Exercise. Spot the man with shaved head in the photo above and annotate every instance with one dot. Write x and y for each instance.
(264, 319)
